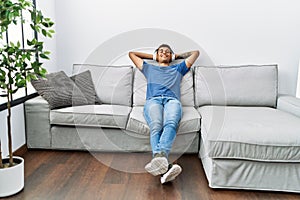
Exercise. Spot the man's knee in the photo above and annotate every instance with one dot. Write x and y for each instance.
(171, 123)
(156, 126)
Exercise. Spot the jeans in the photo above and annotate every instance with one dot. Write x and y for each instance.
(162, 115)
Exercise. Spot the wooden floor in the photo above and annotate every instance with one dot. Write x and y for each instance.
(74, 175)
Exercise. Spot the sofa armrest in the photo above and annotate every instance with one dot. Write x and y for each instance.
(37, 118)
(289, 104)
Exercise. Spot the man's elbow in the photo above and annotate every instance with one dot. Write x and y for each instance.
(130, 54)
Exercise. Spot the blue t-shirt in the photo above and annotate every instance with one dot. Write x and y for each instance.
(164, 81)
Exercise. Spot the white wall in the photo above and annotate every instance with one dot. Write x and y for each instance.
(18, 129)
(48, 10)
(232, 32)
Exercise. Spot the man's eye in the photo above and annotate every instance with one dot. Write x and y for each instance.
(161, 51)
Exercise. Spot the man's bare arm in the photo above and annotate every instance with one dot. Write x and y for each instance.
(137, 58)
(190, 57)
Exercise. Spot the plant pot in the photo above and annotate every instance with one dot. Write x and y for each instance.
(12, 178)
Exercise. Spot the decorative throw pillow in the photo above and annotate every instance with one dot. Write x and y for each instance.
(59, 90)
(85, 83)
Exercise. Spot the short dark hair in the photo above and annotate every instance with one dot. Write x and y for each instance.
(165, 45)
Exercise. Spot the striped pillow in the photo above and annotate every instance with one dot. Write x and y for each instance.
(59, 90)
(85, 83)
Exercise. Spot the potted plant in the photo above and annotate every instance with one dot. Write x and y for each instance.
(18, 65)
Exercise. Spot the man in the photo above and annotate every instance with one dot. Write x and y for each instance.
(163, 110)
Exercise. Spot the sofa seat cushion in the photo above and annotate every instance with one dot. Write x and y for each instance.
(190, 121)
(252, 133)
(110, 116)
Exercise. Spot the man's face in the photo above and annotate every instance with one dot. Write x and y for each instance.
(164, 55)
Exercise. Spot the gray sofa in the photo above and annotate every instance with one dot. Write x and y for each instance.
(246, 135)
(117, 125)
(250, 137)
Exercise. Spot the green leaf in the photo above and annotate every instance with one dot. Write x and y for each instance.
(11, 44)
(44, 32)
(49, 35)
(44, 56)
(28, 56)
(32, 27)
(51, 24)
(29, 43)
(33, 16)
(43, 71)
(46, 24)
(30, 77)
(3, 86)
(14, 91)
(2, 78)
(21, 83)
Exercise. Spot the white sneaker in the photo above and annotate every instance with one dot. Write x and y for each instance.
(171, 174)
(157, 166)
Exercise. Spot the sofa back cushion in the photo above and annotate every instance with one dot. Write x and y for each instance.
(113, 84)
(140, 88)
(251, 85)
